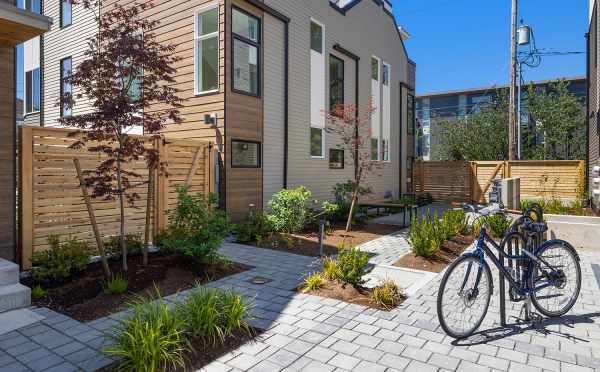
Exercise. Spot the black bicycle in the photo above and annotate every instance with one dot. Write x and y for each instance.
(546, 274)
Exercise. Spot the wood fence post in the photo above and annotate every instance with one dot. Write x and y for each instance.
(26, 197)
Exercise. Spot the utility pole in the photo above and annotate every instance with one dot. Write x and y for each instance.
(512, 114)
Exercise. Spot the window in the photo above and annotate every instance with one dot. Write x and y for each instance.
(245, 154)
(32, 5)
(374, 148)
(32, 91)
(375, 69)
(410, 114)
(385, 150)
(336, 82)
(65, 87)
(316, 142)
(336, 159)
(246, 53)
(386, 74)
(66, 13)
(316, 37)
(206, 50)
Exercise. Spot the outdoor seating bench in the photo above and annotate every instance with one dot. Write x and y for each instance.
(407, 210)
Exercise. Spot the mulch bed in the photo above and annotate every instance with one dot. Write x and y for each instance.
(450, 250)
(347, 293)
(307, 243)
(83, 298)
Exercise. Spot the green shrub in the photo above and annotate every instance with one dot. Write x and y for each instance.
(556, 206)
(425, 236)
(498, 225)
(112, 245)
(455, 222)
(387, 294)
(38, 292)
(195, 229)
(256, 228)
(116, 285)
(313, 282)
(153, 339)
(334, 211)
(290, 210)
(60, 261)
(351, 266)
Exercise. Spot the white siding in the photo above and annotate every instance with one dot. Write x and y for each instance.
(274, 101)
(70, 41)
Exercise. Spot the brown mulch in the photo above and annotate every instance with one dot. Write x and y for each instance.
(450, 250)
(202, 355)
(307, 243)
(347, 293)
(83, 298)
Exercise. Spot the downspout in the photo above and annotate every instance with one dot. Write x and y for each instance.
(286, 105)
(587, 119)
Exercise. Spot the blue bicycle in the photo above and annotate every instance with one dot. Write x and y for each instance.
(547, 275)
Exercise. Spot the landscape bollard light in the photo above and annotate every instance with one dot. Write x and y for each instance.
(321, 235)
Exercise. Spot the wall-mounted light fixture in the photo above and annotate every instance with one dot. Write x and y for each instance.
(210, 119)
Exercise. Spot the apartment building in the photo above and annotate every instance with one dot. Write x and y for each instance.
(593, 87)
(49, 57)
(432, 108)
(256, 78)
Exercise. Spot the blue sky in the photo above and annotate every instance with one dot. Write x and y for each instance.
(465, 43)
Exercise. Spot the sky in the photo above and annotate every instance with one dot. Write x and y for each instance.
(461, 44)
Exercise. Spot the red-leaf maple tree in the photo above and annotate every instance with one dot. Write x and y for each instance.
(127, 76)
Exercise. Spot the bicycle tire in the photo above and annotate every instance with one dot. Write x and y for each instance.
(553, 244)
(442, 290)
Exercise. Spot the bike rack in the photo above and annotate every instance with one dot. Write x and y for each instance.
(516, 251)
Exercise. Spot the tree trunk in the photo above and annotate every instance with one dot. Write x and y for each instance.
(148, 212)
(122, 210)
(352, 205)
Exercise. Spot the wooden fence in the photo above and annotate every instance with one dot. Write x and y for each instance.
(471, 181)
(51, 200)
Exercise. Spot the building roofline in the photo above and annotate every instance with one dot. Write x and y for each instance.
(494, 87)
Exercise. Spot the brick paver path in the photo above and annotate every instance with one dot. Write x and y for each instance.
(309, 333)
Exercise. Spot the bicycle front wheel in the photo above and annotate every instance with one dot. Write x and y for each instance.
(557, 281)
(464, 296)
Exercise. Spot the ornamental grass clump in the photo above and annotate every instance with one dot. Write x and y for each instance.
(152, 339)
(115, 285)
(313, 282)
(387, 294)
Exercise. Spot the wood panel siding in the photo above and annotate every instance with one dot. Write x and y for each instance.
(7, 152)
(244, 122)
(176, 27)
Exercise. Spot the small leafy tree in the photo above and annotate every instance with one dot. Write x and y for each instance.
(558, 131)
(354, 131)
(126, 71)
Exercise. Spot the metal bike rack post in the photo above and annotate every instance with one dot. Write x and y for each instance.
(502, 293)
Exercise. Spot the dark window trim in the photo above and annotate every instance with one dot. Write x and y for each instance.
(60, 4)
(246, 166)
(343, 158)
(29, 92)
(343, 100)
(413, 110)
(62, 85)
(258, 54)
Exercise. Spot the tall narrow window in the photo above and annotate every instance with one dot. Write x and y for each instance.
(66, 65)
(336, 82)
(318, 87)
(32, 91)
(206, 48)
(66, 13)
(376, 116)
(410, 114)
(246, 53)
(32, 5)
(386, 106)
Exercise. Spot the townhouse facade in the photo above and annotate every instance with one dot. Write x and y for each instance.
(593, 107)
(257, 77)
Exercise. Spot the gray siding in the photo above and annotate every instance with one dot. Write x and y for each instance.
(365, 30)
(71, 41)
(274, 100)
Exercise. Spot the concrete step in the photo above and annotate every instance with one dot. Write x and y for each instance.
(9, 273)
(14, 296)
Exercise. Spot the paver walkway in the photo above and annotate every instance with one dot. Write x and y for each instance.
(309, 333)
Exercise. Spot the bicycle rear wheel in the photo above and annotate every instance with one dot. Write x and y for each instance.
(559, 283)
(464, 296)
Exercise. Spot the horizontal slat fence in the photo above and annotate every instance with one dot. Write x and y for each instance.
(51, 200)
(470, 181)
